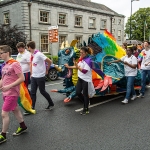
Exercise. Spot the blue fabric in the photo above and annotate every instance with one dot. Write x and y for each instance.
(144, 73)
(130, 86)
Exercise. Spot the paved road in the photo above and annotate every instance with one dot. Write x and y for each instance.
(110, 126)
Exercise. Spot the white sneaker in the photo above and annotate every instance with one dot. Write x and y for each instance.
(125, 101)
(134, 97)
(141, 95)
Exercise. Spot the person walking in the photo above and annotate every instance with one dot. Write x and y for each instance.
(130, 66)
(144, 58)
(12, 77)
(38, 70)
(24, 57)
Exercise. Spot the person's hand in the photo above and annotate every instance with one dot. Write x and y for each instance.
(66, 65)
(54, 90)
(6, 88)
(76, 64)
(108, 63)
(125, 62)
(46, 73)
(146, 64)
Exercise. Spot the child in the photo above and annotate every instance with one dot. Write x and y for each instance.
(12, 76)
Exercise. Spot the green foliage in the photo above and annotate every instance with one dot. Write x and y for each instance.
(11, 36)
(54, 58)
(138, 23)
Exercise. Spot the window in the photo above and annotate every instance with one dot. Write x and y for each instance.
(92, 23)
(103, 24)
(113, 32)
(62, 41)
(78, 21)
(6, 18)
(62, 19)
(119, 21)
(44, 43)
(44, 16)
(79, 43)
(113, 20)
(119, 35)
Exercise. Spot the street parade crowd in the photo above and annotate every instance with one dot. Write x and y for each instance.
(31, 65)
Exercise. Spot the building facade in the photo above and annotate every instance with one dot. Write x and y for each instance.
(76, 19)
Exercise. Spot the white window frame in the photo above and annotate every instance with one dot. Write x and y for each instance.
(6, 19)
(119, 21)
(65, 20)
(94, 22)
(78, 20)
(46, 42)
(113, 20)
(105, 21)
(61, 40)
(113, 32)
(119, 35)
(78, 45)
(48, 16)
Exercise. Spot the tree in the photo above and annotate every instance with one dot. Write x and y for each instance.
(139, 21)
(11, 36)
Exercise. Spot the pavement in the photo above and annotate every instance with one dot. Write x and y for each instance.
(109, 126)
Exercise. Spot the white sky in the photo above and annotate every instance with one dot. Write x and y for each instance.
(124, 6)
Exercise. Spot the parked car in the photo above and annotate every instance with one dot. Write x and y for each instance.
(52, 73)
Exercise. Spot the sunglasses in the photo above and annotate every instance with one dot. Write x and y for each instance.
(2, 53)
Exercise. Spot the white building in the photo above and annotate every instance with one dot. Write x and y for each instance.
(76, 19)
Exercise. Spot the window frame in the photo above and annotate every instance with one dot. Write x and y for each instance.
(81, 17)
(44, 34)
(60, 44)
(81, 42)
(48, 17)
(119, 36)
(94, 22)
(65, 19)
(4, 13)
(103, 28)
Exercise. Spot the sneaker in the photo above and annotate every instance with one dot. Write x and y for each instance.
(20, 131)
(84, 112)
(125, 101)
(134, 97)
(26, 113)
(2, 139)
(49, 108)
(141, 95)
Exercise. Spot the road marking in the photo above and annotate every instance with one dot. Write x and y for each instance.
(94, 105)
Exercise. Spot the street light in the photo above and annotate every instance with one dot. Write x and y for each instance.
(130, 16)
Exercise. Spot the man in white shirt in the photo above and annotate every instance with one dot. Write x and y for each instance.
(145, 67)
(38, 71)
(24, 58)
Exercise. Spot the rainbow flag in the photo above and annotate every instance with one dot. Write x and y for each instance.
(141, 55)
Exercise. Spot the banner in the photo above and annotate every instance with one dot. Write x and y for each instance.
(53, 34)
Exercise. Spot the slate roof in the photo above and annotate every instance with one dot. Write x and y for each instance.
(90, 5)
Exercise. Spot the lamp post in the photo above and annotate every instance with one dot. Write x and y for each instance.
(131, 16)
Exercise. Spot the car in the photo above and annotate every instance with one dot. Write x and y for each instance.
(52, 73)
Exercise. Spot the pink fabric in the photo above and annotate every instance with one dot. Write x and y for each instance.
(9, 75)
(10, 103)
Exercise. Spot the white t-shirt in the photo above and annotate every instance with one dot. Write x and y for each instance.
(87, 76)
(38, 65)
(145, 60)
(24, 59)
(131, 60)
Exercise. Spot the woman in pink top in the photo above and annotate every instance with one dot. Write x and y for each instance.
(12, 76)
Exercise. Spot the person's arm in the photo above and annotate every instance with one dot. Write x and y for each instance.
(48, 61)
(130, 65)
(1, 83)
(17, 82)
(114, 61)
(70, 67)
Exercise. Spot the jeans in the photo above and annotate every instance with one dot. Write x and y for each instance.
(39, 82)
(83, 86)
(144, 73)
(130, 87)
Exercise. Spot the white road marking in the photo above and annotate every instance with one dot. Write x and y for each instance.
(94, 105)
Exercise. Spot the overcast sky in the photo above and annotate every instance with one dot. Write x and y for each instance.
(124, 6)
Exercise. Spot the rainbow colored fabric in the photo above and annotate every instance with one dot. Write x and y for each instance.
(24, 100)
(141, 55)
(109, 46)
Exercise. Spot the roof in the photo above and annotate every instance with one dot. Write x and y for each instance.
(91, 5)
